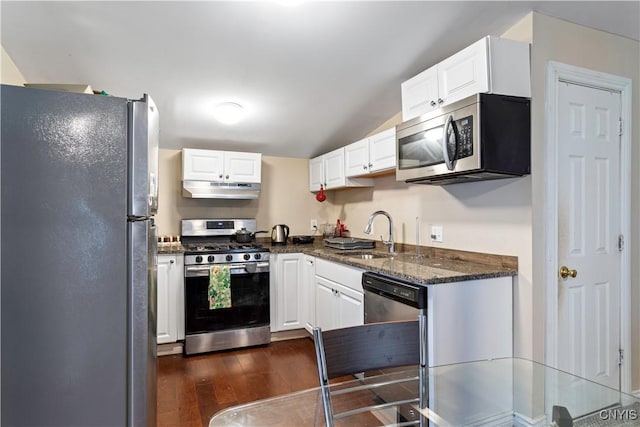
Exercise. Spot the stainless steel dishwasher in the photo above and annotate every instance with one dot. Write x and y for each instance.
(387, 298)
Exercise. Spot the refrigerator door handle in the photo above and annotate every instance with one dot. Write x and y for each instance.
(137, 218)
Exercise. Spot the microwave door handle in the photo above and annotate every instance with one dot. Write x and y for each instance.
(445, 152)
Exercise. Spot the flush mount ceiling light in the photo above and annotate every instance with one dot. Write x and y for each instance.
(228, 113)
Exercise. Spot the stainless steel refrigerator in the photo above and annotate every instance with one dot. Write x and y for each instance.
(78, 267)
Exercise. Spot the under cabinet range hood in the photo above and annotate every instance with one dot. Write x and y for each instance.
(214, 174)
(220, 190)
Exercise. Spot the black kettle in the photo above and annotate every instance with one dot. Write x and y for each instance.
(279, 234)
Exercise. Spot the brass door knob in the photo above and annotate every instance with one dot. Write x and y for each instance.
(566, 272)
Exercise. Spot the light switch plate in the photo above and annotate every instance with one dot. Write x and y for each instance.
(436, 233)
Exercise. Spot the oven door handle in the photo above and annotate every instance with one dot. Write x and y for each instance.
(253, 267)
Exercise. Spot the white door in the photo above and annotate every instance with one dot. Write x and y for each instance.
(589, 223)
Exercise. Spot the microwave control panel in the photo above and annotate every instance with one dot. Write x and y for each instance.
(464, 136)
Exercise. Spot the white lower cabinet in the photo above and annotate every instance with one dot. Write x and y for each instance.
(170, 302)
(470, 320)
(288, 299)
(309, 290)
(338, 295)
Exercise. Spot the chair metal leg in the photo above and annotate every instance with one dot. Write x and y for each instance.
(423, 373)
(324, 377)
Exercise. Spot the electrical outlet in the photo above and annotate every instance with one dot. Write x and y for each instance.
(436, 233)
(314, 224)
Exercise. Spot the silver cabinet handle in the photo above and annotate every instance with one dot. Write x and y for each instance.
(440, 100)
(171, 261)
(220, 176)
(370, 165)
(433, 103)
(226, 177)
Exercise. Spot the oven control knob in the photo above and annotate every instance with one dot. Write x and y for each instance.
(210, 258)
(229, 257)
(198, 259)
(257, 256)
(246, 257)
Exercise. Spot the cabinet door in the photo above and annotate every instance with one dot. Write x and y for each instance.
(420, 94)
(350, 307)
(176, 284)
(325, 304)
(382, 151)
(465, 73)
(290, 304)
(202, 165)
(165, 312)
(316, 173)
(309, 293)
(356, 158)
(334, 169)
(242, 167)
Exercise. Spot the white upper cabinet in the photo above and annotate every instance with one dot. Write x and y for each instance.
(202, 165)
(221, 166)
(491, 65)
(334, 176)
(374, 154)
(420, 94)
(316, 173)
(242, 167)
(328, 170)
(357, 158)
(382, 151)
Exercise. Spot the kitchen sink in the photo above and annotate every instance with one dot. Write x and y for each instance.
(369, 255)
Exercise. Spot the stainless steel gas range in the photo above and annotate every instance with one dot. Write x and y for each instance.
(213, 259)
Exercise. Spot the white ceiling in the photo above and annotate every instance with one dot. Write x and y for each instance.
(312, 77)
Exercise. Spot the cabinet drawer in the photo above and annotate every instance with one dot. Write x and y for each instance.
(350, 277)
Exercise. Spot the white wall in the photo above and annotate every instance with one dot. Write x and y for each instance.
(557, 40)
(284, 198)
(9, 72)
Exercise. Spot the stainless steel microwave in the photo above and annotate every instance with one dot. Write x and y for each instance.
(482, 137)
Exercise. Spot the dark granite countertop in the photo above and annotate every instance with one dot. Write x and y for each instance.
(170, 251)
(432, 266)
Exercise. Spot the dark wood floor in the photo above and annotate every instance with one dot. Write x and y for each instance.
(191, 389)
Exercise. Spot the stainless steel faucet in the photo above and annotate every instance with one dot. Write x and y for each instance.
(384, 242)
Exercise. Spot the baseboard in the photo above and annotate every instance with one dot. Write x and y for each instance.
(169, 348)
(636, 393)
(521, 420)
(289, 335)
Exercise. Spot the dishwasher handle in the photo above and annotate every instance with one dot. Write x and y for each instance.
(404, 292)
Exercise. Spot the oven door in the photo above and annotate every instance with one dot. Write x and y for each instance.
(249, 299)
(443, 144)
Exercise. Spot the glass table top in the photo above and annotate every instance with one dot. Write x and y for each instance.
(499, 392)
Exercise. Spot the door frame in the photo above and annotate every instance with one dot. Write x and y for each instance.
(559, 73)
